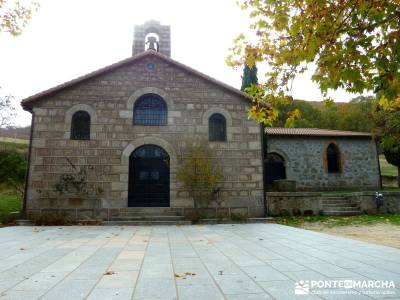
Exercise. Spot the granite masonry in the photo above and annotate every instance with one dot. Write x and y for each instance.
(303, 152)
(125, 127)
(109, 95)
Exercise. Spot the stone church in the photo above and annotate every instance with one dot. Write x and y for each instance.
(124, 125)
(127, 121)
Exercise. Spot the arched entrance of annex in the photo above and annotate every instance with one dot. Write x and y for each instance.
(274, 168)
(149, 177)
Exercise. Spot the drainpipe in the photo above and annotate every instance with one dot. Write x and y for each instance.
(379, 164)
(263, 149)
(28, 165)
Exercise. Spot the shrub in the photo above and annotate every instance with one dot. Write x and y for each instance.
(199, 172)
(12, 170)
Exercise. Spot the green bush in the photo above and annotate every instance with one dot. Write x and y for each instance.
(12, 172)
(12, 167)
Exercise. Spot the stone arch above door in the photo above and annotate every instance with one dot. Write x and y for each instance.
(124, 168)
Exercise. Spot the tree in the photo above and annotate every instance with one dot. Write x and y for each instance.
(15, 16)
(199, 172)
(7, 111)
(353, 44)
(309, 115)
(393, 157)
(387, 128)
(249, 77)
(357, 114)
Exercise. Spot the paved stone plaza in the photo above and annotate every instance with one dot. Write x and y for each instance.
(255, 261)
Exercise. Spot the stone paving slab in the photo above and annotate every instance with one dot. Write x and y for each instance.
(249, 261)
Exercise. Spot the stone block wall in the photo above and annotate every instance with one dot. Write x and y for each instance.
(307, 203)
(294, 203)
(305, 162)
(367, 204)
(109, 99)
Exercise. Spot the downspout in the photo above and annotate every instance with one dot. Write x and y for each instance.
(263, 149)
(28, 165)
(379, 164)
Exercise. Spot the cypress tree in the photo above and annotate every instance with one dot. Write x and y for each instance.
(249, 77)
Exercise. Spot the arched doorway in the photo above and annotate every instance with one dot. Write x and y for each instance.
(148, 177)
(274, 168)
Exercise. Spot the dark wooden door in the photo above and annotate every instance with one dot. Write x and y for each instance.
(274, 170)
(149, 177)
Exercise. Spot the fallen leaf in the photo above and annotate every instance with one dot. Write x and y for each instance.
(183, 275)
(109, 273)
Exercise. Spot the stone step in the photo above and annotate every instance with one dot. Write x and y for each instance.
(260, 220)
(125, 214)
(339, 205)
(344, 201)
(127, 211)
(229, 221)
(341, 213)
(147, 218)
(341, 208)
(141, 223)
(334, 198)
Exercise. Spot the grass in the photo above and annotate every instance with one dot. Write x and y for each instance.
(13, 140)
(330, 222)
(386, 168)
(9, 202)
(9, 146)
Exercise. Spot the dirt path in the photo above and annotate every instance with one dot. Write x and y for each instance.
(383, 234)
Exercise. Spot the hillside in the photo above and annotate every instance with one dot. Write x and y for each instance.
(15, 133)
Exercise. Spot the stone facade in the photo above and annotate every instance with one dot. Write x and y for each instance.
(305, 162)
(109, 99)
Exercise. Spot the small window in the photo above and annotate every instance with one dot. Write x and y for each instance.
(217, 128)
(150, 109)
(80, 126)
(333, 158)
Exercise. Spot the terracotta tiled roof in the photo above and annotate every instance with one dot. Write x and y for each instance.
(27, 102)
(314, 132)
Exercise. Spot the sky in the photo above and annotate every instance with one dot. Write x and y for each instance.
(69, 38)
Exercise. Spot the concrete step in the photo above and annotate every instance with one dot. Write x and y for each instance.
(147, 218)
(141, 223)
(341, 213)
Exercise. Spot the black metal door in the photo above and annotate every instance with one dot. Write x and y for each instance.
(149, 177)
